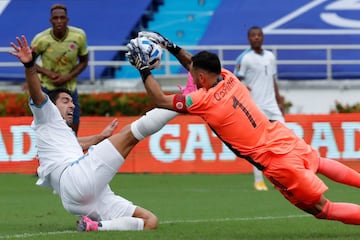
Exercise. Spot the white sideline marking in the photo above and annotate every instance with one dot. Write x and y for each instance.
(29, 235)
(234, 219)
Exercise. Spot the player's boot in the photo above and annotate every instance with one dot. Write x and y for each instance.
(260, 186)
(86, 224)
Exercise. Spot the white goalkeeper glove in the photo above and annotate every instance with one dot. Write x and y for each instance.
(138, 58)
(160, 39)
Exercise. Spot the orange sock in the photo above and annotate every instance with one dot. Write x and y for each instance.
(347, 213)
(339, 172)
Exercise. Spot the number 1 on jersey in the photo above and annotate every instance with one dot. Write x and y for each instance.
(236, 104)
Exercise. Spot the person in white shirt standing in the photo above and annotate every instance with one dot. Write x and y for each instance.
(256, 68)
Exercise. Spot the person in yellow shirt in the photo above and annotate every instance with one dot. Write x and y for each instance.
(64, 55)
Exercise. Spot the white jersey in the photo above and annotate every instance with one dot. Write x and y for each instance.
(56, 143)
(81, 180)
(257, 71)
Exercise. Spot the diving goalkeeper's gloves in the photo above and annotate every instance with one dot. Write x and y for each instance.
(160, 39)
(138, 58)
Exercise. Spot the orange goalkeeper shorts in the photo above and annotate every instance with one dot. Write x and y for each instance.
(293, 174)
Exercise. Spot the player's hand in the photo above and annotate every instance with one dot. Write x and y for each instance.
(157, 38)
(22, 50)
(136, 56)
(59, 79)
(110, 128)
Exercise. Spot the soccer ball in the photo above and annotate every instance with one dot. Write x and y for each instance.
(154, 49)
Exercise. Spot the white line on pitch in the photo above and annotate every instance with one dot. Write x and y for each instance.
(29, 235)
(234, 219)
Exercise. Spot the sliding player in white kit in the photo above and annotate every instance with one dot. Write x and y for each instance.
(82, 180)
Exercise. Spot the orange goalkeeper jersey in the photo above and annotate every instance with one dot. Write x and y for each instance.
(232, 114)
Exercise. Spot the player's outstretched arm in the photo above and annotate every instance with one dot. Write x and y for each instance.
(87, 141)
(183, 56)
(139, 60)
(23, 52)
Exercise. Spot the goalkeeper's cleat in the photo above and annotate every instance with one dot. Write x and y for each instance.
(85, 224)
(260, 186)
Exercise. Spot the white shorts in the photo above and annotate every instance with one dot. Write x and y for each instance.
(84, 185)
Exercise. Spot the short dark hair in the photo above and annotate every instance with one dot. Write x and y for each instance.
(207, 61)
(54, 94)
(58, 6)
(254, 28)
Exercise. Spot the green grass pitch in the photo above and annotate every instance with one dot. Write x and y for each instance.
(193, 206)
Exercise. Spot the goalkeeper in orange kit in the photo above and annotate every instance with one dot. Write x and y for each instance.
(225, 104)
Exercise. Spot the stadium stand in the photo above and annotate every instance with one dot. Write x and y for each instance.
(204, 23)
(293, 23)
(106, 23)
(182, 22)
(285, 23)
